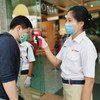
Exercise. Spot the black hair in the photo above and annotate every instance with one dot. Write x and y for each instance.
(20, 20)
(80, 13)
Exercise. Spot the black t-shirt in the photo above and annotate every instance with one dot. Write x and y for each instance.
(9, 61)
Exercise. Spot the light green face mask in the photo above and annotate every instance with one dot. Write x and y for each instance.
(24, 37)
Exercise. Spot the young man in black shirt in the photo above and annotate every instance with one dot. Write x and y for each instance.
(10, 57)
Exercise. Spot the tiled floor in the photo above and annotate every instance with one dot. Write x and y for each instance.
(50, 96)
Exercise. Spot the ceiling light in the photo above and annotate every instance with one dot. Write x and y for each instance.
(20, 9)
(91, 5)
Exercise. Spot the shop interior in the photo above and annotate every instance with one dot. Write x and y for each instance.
(48, 16)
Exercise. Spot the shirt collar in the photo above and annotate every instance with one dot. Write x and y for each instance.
(80, 37)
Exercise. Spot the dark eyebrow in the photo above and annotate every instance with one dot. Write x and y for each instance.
(68, 19)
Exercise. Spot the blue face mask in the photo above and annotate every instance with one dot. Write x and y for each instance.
(69, 28)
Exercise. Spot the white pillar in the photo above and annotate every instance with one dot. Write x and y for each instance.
(3, 16)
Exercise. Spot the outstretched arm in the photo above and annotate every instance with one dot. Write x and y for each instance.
(49, 54)
(51, 57)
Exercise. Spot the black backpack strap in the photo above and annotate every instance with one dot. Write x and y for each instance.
(27, 53)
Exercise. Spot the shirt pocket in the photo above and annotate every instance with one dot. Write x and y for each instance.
(73, 55)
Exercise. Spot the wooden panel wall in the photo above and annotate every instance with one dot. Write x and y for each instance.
(49, 31)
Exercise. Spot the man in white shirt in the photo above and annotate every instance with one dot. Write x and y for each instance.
(26, 65)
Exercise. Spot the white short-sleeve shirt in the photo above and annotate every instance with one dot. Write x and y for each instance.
(78, 58)
(27, 55)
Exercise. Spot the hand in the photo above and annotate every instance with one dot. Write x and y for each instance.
(44, 44)
(27, 82)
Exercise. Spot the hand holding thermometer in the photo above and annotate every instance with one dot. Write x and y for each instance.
(38, 41)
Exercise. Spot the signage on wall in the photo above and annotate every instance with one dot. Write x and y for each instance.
(47, 8)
